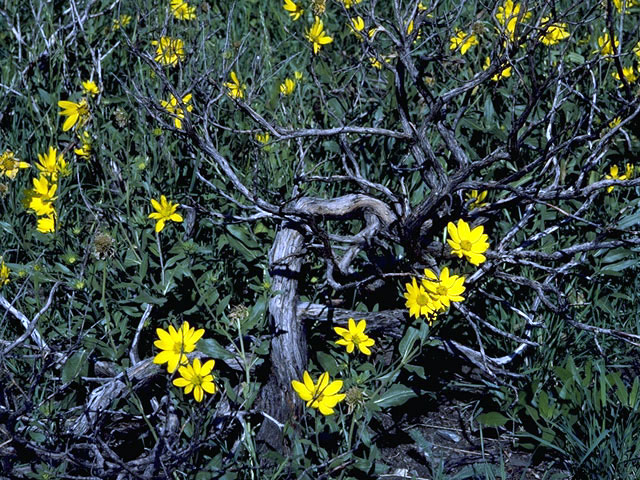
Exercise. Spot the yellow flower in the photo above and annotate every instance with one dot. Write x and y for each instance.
(121, 22)
(322, 395)
(445, 289)
(606, 46)
(165, 211)
(626, 4)
(287, 87)
(75, 113)
(90, 88)
(354, 336)
(508, 16)
(504, 73)
(375, 63)
(636, 50)
(4, 273)
(172, 107)
(47, 223)
(51, 164)
(295, 10)
(478, 199)
(615, 122)
(198, 378)
(297, 75)
(317, 36)
(169, 50)
(628, 73)
(356, 24)
(9, 164)
(614, 174)
(175, 344)
(182, 10)
(39, 199)
(236, 90)
(468, 243)
(628, 171)
(422, 7)
(263, 138)
(463, 41)
(553, 32)
(419, 302)
(85, 150)
(350, 3)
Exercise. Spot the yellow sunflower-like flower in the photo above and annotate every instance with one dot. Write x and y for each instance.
(52, 163)
(628, 73)
(444, 289)
(182, 10)
(477, 199)
(607, 48)
(356, 25)
(350, 3)
(85, 149)
(288, 86)
(464, 41)
(175, 344)
(505, 72)
(172, 107)
(4, 273)
(508, 15)
(317, 36)
(419, 302)
(196, 378)
(354, 336)
(169, 51)
(40, 198)
(164, 211)
(322, 395)
(121, 22)
(235, 88)
(47, 223)
(614, 174)
(90, 88)
(9, 164)
(468, 243)
(295, 10)
(76, 113)
(263, 138)
(553, 32)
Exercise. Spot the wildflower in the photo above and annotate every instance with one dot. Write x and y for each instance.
(198, 378)
(468, 243)
(628, 171)
(75, 113)
(445, 289)
(419, 302)
(615, 122)
(85, 150)
(182, 10)
(553, 32)
(508, 16)
(478, 199)
(354, 336)
(295, 10)
(172, 107)
(606, 46)
(4, 273)
(628, 73)
(39, 199)
(350, 3)
(356, 24)
(322, 395)
(164, 211)
(90, 88)
(614, 174)
(51, 164)
(319, 6)
(47, 223)
(104, 246)
(175, 344)
(422, 7)
(287, 87)
(236, 90)
(169, 50)
(354, 398)
(263, 138)
(636, 50)
(317, 36)
(375, 63)
(463, 40)
(9, 164)
(625, 5)
(121, 22)
(297, 75)
(505, 72)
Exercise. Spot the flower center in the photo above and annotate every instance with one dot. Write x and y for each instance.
(466, 245)
(422, 299)
(442, 290)
(178, 348)
(196, 380)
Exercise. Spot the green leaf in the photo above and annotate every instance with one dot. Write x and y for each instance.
(492, 419)
(75, 366)
(395, 396)
(327, 362)
(213, 349)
